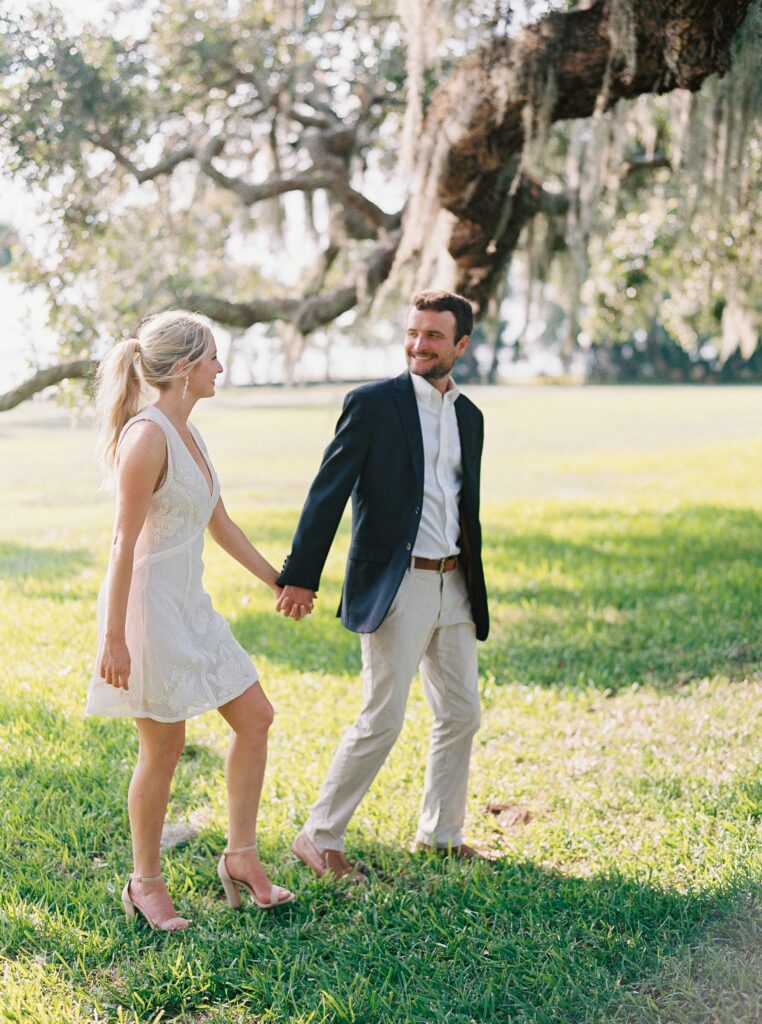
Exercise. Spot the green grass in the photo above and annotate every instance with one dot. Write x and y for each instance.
(621, 687)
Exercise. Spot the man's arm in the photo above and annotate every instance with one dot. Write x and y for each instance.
(327, 498)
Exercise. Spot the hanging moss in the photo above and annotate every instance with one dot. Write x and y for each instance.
(419, 21)
(488, 129)
(624, 37)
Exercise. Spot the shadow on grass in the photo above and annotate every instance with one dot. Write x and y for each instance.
(719, 978)
(317, 645)
(647, 597)
(63, 795)
(423, 941)
(44, 570)
(652, 598)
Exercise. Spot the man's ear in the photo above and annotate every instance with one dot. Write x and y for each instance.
(462, 344)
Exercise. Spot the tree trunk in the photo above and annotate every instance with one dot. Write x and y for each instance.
(470, 152)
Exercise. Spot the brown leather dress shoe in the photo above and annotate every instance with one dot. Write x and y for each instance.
(325, 862)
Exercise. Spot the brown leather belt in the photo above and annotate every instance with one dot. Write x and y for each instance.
(438, 564)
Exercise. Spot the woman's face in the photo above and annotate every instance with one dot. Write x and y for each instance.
(202, 377)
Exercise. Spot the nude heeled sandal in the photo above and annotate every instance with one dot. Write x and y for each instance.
(233, 885)
(131, 905)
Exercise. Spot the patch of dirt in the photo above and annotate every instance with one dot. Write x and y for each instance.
(177, 833)
(509, 817)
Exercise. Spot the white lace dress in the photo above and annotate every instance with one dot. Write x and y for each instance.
(184, 658)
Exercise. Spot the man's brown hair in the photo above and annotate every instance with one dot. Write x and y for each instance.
(450, 302)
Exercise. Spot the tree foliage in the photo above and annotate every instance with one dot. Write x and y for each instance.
(253, 160)
(195, 153)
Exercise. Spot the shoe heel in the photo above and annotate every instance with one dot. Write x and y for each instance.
(129, 906)
(231, 888)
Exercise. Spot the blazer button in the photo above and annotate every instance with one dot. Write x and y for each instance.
(408, 547)
(417, 511)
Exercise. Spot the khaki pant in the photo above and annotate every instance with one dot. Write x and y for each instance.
(429, 625)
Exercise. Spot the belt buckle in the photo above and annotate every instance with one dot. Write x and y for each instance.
(441, 569)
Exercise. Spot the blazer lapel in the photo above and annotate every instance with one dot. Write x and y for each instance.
(411, 422)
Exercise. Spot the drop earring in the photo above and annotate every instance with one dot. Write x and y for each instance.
(185, 388)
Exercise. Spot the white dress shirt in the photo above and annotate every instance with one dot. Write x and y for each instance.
(439, 528)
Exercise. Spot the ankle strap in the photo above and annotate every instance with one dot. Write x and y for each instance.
(145, 878)
(242, 849)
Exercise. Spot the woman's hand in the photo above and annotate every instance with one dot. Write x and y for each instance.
(295, 602)
(115, 664)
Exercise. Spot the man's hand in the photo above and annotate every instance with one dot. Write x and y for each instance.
(295, 602)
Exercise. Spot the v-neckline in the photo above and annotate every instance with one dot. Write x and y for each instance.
(209, 489)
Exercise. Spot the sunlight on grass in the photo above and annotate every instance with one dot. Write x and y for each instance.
(621, 690)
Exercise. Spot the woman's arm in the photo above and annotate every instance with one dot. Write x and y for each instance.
(142, 455)
(232, 539)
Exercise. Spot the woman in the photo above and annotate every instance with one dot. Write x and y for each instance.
(164, 653)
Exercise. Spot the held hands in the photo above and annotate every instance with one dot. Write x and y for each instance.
(295, 602)
(115, 664)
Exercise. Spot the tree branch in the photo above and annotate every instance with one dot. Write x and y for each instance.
(165, 166)
(470, 149)
(306, 181)
(644, 163)
(308, 312)
(44, 378)
(309, 120)
(250, 194)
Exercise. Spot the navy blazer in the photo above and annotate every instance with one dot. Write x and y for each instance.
(376, 456)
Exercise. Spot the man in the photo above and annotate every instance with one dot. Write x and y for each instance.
(408, 450)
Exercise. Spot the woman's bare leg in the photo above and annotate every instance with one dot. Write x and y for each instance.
(250, 717)
(161, 744)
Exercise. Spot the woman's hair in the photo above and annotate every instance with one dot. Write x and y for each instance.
(147, 360)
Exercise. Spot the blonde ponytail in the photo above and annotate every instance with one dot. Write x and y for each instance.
(119, 395)
(148, 360)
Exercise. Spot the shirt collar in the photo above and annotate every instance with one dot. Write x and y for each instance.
(426, 392)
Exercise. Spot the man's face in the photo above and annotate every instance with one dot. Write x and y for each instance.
(431, 348)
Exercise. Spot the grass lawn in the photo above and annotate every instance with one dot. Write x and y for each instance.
(622, 695)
